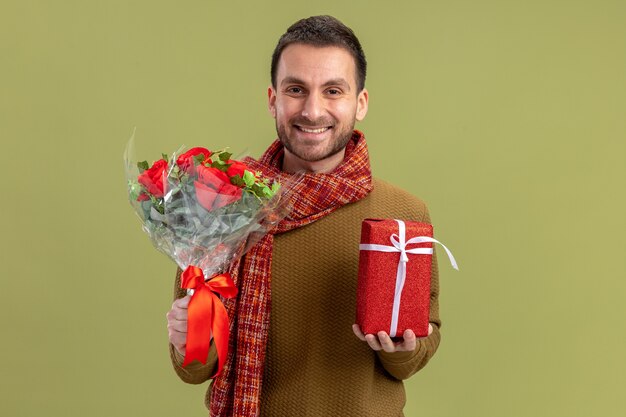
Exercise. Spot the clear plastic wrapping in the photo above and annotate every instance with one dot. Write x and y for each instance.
(201, 207)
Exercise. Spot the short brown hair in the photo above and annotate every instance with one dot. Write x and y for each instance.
(322, 31)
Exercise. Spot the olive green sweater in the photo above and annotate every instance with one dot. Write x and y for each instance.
(315, 365)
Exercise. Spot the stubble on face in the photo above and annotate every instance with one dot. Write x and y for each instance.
(315, 106)
(307, 150)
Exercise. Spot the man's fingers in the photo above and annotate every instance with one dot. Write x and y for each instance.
(180, 347)
(181, 315)
(386, 342)
(177, 325)
(358, 333)
(382, 341)
(409, 343)
(176, 314)
(372, 340)
(178, 339)
(181, 302)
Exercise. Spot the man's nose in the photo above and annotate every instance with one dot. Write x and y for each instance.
(313, 107)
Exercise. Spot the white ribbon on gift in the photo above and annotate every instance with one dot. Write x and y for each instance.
(399, 244)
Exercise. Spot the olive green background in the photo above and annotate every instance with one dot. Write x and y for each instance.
(507, 117)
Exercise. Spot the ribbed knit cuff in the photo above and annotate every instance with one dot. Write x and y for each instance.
(195, 365)
(178, 358)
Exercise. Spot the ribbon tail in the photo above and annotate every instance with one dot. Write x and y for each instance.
(220, 329)
(199, 320)
(450, 256)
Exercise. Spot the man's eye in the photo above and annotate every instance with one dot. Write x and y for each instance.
(294, 90)
(333, 91)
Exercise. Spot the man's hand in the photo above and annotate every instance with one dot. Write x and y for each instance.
(177, 323)
(382, 341)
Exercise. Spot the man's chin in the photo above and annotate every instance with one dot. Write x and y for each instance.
(312, 150)
(314, 156)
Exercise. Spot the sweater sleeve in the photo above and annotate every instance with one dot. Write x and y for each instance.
(401, 365)
(195, 372)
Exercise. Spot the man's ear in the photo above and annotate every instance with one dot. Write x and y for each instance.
(361, 104)
(271, 100)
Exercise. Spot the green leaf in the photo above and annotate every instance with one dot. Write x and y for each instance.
(165, 157)
(225, 156)
(219, 164)
(275, 187)
(134, 190)
(198, 159)
(249, 178)
(238, 181)
(158, 204)
(267, 192)
(143, 165)
(256, 189)
(261, 191)
(145, 206)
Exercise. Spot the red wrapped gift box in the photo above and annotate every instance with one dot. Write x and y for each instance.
(381, 273)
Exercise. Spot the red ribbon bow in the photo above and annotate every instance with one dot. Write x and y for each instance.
(207, 315)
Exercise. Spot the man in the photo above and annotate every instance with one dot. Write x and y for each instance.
(303, 359)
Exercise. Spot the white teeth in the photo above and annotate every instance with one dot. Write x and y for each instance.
(320, 130)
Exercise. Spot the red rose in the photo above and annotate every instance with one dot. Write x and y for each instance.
(236, 168)
(212, 177)
(143, 197)
(228, 194)
(213, 188)
(205, 195)
(211, 199)
(186, 160)
(152, 178)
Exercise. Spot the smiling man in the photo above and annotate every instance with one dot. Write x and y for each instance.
(294, 349)
(315, 100)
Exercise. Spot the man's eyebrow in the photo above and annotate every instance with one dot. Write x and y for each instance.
(338, 81)
(291, 80)
(335, 81)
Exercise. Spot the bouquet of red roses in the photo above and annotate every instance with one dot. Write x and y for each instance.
(203, 210)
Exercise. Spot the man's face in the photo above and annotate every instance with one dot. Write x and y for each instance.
(315, 102)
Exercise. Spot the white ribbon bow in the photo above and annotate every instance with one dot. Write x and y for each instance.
(399, 244)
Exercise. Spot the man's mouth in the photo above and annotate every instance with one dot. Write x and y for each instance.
(313, 130)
